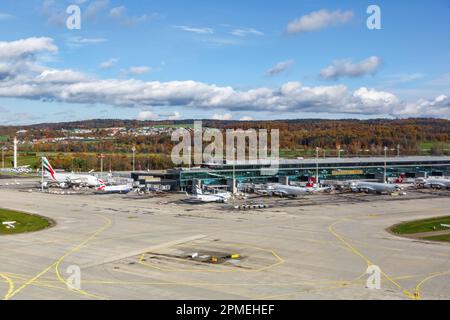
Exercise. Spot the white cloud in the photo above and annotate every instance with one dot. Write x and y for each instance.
(26, 47)
(174, 116)
(196, 30)
(279, 67)
(242, 32)
(61, 76)
(108, 64)
(147, 115)
(54, 14)
(131, 21)
(95, 7)
(117, 11)
(403, 78)
(346, 68)
(139, 70)
(218, 42)
(77, 42)
(225, 116)
(318, 20)
(246, 118)
(376, 100)
(21, 76)
(438, 107)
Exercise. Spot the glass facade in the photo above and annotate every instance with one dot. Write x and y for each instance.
(342, 169)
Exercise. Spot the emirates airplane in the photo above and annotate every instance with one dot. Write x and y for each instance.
(66, 179)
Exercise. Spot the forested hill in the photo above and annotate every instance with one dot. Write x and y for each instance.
(351, 134)
(442, 125)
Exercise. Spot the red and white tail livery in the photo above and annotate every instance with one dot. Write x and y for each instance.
(48, 168)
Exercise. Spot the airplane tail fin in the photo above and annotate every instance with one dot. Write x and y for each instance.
(102, 185)
(198, 190)
(311, 182)
(400, 179)
(48, 168)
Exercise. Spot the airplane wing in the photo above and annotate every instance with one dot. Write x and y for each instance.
(367, 188)
(280, 192)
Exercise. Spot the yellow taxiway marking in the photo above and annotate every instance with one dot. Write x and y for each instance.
(176, 283)
(431, 276)
(60, 260)
(118, 282)
(39, 283)
(367, 260)
(10, 285)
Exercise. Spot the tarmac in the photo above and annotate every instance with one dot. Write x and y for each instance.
(159, 247)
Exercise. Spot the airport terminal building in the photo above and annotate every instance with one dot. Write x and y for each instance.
(327, 169)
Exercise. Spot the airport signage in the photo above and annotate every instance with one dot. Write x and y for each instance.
(346, 172)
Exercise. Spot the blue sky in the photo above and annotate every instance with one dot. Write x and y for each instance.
(223, 59)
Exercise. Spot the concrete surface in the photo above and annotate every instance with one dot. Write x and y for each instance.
(127, 247)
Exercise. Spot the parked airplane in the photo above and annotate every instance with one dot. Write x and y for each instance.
(199, 196)
(21, 169)
(403, 182)
(65, 179)
(286, 191)
(314, 187)
(294, 191)
(374, 187)
(124, 189)
(439, 183)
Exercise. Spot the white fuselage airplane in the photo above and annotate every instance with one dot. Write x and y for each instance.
(64, 179)
(293, 191)
(287, 191)
(374, 187)
(114, 189)
(440, 183)
(21, 169)
(199, 196)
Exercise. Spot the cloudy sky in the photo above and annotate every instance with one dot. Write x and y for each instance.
(219, 59)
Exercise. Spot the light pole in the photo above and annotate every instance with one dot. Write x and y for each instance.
(3, 157)
(15, 153)
(101, 156)
(385, 155)
(190, 157)
(134, 156)
(234, 171)
(398, 151)
(317, 164)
